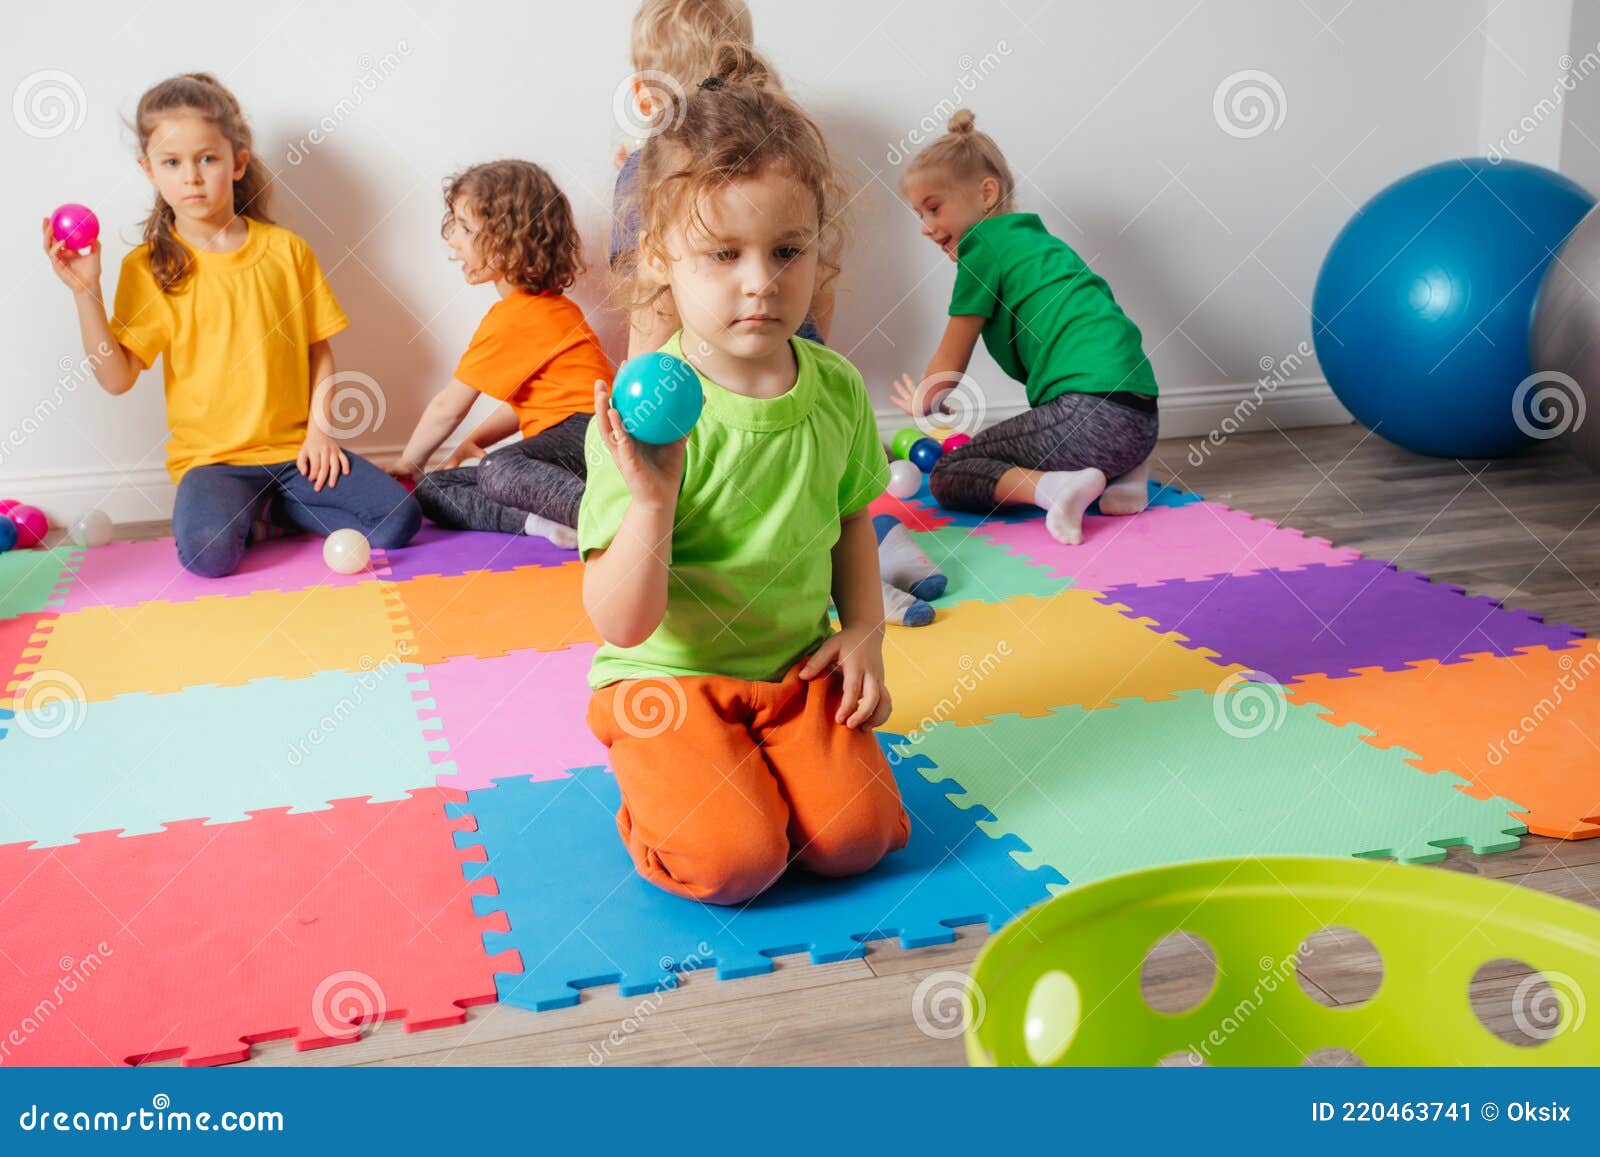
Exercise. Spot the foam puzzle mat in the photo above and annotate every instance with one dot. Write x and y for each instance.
(292, 804)
(605, 925)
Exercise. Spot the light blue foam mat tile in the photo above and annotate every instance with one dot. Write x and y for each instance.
(213, 753)
(580, 916)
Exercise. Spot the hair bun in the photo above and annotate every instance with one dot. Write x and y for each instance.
(961, 121)
(735, 63)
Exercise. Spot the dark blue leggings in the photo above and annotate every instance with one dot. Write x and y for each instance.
(211, 519)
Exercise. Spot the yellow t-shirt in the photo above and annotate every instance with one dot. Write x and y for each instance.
(235, 345)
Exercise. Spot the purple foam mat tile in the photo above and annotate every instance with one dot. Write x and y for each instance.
(437, 551)
(1330, 620)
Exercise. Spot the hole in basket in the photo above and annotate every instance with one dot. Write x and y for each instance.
(1052, 1017)
(1182, 1059)
(1523, 1006)
(1333, 1058)
(1337, 966)
(1178, 973)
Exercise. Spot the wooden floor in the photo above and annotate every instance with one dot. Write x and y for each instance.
(1522, 530)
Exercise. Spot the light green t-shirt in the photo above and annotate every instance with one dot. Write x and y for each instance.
(765, 484)
(1050, 321)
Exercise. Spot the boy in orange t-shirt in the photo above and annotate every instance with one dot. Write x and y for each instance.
(509, 224)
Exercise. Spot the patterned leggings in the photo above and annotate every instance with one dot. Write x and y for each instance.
(541, 475)
(1071, 432)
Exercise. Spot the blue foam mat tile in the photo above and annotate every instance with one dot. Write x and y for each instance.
(580, 916)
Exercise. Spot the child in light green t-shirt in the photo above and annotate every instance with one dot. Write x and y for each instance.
(740, 726)
(1051, 323)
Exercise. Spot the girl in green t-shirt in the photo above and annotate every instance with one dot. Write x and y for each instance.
(1052, 324)
(740, 725)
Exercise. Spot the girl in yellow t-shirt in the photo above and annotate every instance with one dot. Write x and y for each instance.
(239, 312)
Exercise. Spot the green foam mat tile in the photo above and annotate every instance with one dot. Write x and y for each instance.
(1241, 772)
(980, 571)
(34, 580)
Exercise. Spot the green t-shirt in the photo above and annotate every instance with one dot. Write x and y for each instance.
(765, 484)
(1049, 320)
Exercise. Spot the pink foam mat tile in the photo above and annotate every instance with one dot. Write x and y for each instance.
(518, 714)
(124, 574)
(1165, 543)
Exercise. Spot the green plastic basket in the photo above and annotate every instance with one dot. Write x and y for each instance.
(1061, 984)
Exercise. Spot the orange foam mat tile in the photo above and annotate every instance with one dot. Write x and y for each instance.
(1522, 726)
(1029, 655)
(102, 652)
(491, 613)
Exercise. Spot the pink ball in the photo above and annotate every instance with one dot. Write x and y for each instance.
(9, 504)
(31, 524)
(75, 226)
(956, 441)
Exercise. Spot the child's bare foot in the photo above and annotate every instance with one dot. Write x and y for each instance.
(1065, 495)
(1127, 493)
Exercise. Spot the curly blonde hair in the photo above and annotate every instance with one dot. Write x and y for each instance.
(734, 126)
(965, 152)
(526, 232)
(680, 37)
(197, 94)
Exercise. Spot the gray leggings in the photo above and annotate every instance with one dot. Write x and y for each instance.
(541, 475)
(1071, 432)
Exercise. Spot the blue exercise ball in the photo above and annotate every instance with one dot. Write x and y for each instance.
(8, 534)
(1421, 312)
(658, 396)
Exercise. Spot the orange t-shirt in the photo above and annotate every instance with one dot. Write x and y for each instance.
(536, 353)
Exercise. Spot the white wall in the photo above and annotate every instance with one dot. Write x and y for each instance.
(1212, 241)
(1521, 110)
(1580, 128)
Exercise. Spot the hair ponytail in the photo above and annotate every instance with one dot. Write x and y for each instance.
(735, 63)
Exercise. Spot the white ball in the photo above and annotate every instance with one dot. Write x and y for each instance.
(346, 551)
(904, 478)
(93, 529)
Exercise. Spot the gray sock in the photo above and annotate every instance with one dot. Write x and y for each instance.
(904, 609)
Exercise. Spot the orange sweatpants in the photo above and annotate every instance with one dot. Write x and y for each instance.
(726, 782)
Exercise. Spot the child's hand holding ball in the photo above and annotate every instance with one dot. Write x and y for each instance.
(653, 473)
(78, 271)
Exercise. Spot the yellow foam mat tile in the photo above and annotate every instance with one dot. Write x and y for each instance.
(101, 652)
(1028, 655)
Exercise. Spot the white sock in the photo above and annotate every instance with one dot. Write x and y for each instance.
(904, 609)
(901, 562)
(1127, 493)
(563, 536)
(1064, 495)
